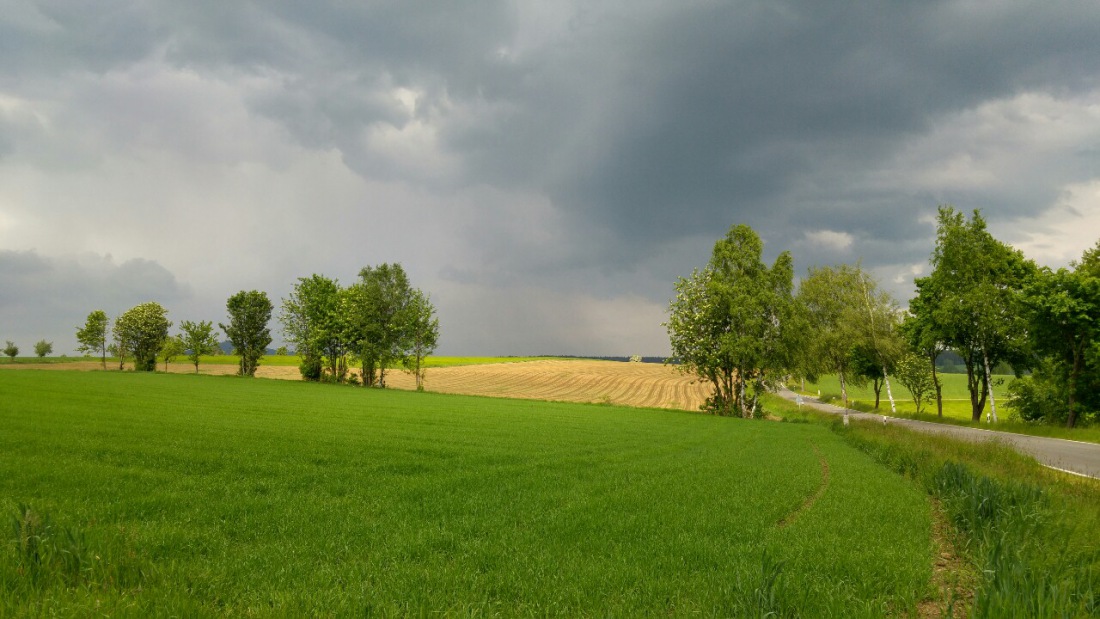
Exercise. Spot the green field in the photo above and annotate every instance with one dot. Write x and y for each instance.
(155, 494)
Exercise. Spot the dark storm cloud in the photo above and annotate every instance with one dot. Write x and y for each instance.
(579, 154)
(37, 293)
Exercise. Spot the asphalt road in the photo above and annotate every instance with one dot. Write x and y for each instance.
(1065, 455)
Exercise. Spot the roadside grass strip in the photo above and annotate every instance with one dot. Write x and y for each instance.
(160, 494)
(956, 407)
(1030, 535)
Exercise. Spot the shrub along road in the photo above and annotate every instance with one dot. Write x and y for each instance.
(1065, 455)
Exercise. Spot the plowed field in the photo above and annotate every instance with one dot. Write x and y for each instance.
(608, 382)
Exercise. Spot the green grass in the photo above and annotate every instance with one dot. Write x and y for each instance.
(153, 494)
(1031, 534)
(956, 406)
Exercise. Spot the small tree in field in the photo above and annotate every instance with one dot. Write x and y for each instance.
(93, 336)
(43, 348)
(423, 334)
(199, 338)
(249, 313)
(142, 331)
(11, 350)
(173, 347)
(914, 374)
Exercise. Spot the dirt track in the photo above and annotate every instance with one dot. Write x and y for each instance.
(630, 384)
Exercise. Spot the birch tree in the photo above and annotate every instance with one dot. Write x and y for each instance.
(973, 301)
(732, 323)
(93, 335)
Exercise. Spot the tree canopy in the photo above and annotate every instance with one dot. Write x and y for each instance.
(970, 301)
(731, 323)
(249, 314)
(142, 331)
(93, 335)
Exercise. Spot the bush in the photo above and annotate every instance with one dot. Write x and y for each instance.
(1037, 399)
(311, 368)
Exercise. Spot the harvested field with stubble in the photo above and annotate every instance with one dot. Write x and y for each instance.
(604, 382)
(562, 380)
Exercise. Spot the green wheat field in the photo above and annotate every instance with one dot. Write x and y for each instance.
(131, 494)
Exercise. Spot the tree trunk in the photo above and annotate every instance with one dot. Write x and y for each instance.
(844, 392)
(878, 391)
(989, 388)
(936, 383)
(1071, 420)
(976, 389)
(889, 392)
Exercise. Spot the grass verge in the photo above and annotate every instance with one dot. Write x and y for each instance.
(1031, 534)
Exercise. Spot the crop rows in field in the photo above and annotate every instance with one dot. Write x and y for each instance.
(608, 382)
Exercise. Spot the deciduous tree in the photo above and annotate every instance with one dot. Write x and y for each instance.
(732, 323)
(11, 350)
(93, 335)
(43, 348)
(249, 314)
(423, 334)
(314, 319)
(913, 373)
(1063, 311)
(378, 312)
(971, 300)
(173, 347)
(832, 299)
(142, 330)
(199, 338)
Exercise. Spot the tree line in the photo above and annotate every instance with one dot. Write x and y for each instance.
(742, 325)
(380, 321)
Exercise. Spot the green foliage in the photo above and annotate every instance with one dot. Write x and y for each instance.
(93, 335)
(173, 347)
(733, 323)
(314, 320)
(276, 498)
(198, 339)
(1063, 312)
(42, 348)
(971, 300)
(142, 331)
(312, 368)
(249, 313)
(916, 376)
(423, 334)
(11, 350)
(833, 300)
(379, 315)
(1041, 396)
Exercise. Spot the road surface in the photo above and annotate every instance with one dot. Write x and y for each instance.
(1065, 455)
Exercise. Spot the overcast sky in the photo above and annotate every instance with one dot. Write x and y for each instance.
(545, 169)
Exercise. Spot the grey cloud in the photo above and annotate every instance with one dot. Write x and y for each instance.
(48, 297)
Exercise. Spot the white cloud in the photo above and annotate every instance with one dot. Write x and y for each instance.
(829, 239)
(1061, 234)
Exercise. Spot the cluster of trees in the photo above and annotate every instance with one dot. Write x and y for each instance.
(141, 333)
(379, 322)
(740, 325)
(42, 349)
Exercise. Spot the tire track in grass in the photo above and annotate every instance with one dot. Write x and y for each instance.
(786, 521)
